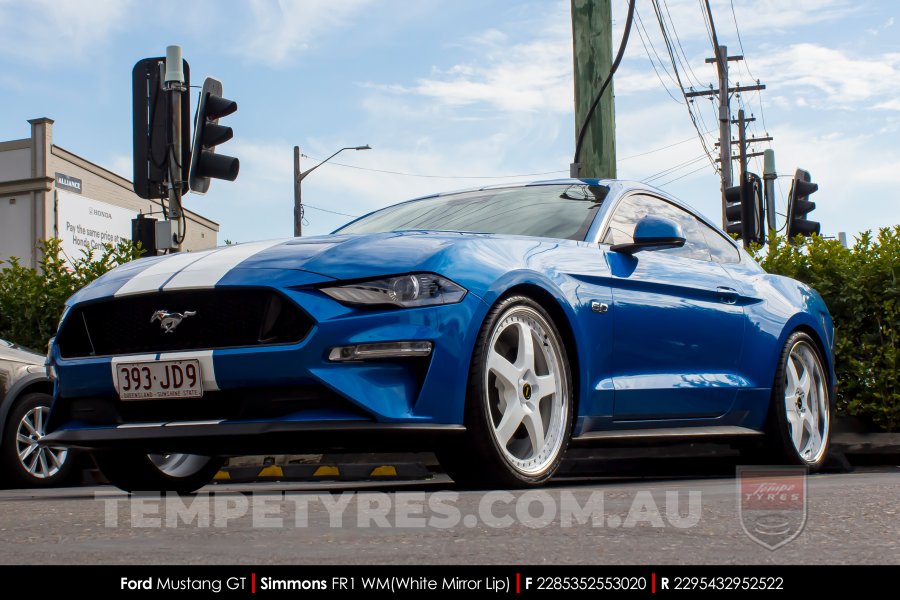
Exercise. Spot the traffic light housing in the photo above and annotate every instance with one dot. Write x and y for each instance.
(143, 231)
(744, 211)
(799, 206)
(205, 163)
(151, 135)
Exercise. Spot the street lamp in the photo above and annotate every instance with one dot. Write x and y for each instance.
(301, 175)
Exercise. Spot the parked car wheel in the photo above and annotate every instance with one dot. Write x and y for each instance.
(800, 416)
(136, 472)
(519, 405)
(25, 462)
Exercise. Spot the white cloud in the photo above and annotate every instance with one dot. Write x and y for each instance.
(525, 77)
(281, 28)
(47, 32)
(839, 78)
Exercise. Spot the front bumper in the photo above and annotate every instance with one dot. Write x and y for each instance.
(275, 392)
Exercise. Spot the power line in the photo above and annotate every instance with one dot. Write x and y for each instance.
(668, 43)
(703, 168)
(690, 139)
(325, 210)
(740, 41)
(737, 29)
(670, 170)
(650, 58)
(706, 23)
(690, 70)
(339, 164)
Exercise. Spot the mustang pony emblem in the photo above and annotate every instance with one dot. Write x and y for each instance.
(169, 321)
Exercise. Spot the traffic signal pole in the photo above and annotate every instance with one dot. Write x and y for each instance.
(174, 87)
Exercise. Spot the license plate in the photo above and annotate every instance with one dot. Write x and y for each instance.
(159, 379)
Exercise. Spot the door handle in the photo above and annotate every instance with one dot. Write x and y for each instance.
(727, 295)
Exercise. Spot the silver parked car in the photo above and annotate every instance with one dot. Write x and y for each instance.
(26, 393)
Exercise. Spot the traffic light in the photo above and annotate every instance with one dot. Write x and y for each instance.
(143, 231)
(151, 134)
(744, 212)
(208, 134)
(734, 211)
(799, 206)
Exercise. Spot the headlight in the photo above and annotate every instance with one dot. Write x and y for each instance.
(407, 291)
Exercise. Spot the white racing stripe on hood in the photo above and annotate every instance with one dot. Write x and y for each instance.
(152, 278)
(205, 273)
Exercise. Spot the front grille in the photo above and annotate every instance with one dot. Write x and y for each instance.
(224, 318)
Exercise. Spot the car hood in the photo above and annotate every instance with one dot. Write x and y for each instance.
(359, 255)
(287, 263)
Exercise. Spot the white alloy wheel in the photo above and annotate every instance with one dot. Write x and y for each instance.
(526, 390)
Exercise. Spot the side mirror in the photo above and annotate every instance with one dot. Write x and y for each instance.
(653, 233)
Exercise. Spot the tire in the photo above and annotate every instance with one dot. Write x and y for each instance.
(136, 472)
(799, 421)
(24, 462)
(508, 398)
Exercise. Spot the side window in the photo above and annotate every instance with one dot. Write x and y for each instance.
(633, 208)
(621, 225)
(720, 249)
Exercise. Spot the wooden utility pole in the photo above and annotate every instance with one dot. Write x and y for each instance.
(592, 45)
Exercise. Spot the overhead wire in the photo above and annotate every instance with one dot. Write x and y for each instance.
(672, 59)
(652, 63)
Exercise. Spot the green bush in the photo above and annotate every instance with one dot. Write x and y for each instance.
(32, 300)
(861, 286)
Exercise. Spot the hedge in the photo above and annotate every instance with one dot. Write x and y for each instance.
(861, 286)
(32, 300)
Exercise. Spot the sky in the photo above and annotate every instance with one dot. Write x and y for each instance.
(454, 94)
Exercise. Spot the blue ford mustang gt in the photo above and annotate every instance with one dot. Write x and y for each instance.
(496, 327)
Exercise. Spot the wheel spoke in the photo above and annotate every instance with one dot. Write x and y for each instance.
(535, 428)
(505, 371)
(525, 356)
(509, 422)
(796, 425)
(790, 388)
(23, 439)
(39, 422)
(27, 452)
(803, 383)
(54, 458)
(26, 421)
(45, 469)
(815, 437)
(546, 386)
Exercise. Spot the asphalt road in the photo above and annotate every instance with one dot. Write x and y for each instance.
(851, 518)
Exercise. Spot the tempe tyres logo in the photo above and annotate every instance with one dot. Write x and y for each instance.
(772, 504)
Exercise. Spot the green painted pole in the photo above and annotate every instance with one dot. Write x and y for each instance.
(592, 37)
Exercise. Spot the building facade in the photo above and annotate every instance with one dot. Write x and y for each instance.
(47, 191)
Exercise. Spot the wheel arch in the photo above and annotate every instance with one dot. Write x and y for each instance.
(563, 324)
(820, 346)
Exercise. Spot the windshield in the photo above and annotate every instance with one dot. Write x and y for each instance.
(554, 211)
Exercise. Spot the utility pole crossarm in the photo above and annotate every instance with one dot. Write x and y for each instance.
(731, 90)
(736, 57)
(767, 138)
(750, 155)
